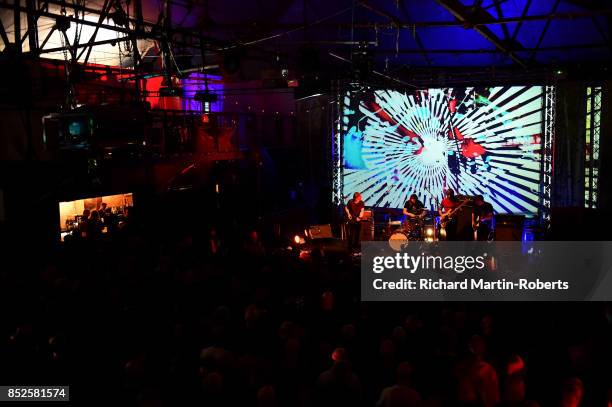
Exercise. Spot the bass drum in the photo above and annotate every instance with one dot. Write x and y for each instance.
(397, 241)
(414, 229)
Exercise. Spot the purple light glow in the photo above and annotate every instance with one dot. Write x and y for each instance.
(194, 83)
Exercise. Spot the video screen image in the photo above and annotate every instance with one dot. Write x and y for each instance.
(478, 141)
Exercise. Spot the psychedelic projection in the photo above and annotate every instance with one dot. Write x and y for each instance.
(483, 141)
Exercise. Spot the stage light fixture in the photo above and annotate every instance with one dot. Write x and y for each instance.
(560, 73)
(62, 23)
(119, 18)
(429, 232)
(205, 97)
(170, 91)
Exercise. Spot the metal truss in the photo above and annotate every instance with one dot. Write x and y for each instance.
(132, 26)
(550, 96)
(45, 18)
(121, 20)
(465, 14)
(338, 129)
(592, 134)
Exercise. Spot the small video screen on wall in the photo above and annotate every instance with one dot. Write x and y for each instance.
(95, 217)
(478, 141)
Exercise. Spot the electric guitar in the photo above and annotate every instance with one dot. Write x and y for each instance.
(446, 217)
(350, 219)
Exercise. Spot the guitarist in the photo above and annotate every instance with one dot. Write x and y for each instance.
(354, 212)
(482, 218)
(449, 203)
(413, 209)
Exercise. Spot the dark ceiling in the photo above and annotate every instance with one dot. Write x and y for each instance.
(419, 32)
(395, 38)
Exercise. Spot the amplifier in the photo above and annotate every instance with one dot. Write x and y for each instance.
(464, 229)
(509, 227)
(320, 231)
(367, 230)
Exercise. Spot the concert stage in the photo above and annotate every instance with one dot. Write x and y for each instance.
(492, 141)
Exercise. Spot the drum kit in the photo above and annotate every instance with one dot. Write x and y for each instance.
(415, 229)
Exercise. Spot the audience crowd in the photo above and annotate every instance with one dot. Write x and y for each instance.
(217, 316)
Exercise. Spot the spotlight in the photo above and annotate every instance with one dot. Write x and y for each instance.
(560, 73)
(62, 23)
(429, 231)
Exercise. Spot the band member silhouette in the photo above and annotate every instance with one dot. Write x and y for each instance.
(354, 212)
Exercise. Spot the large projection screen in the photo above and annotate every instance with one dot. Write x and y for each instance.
(478, 141)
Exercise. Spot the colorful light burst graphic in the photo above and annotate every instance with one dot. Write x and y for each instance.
(483, 141)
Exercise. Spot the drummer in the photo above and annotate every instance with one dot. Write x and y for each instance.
(414, 209)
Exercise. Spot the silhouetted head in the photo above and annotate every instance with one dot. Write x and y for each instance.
(515, 365)
(571, 393)
(478, 346)
(403, 373)
(339, 355)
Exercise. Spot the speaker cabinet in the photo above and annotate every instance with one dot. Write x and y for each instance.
(464, 223)
(509, 227)
(320, 231)
(367, 230)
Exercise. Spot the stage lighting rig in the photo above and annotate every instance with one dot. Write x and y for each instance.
(560, 73)
(170, 87)
(362, 62)
(171, 91)
(119, 16)
(204, 96)
(62, 23)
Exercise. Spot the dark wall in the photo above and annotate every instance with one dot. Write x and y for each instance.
(314, 143)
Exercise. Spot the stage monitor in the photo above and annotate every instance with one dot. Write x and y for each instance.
(479, 141)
